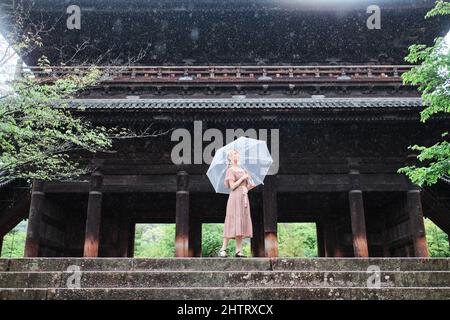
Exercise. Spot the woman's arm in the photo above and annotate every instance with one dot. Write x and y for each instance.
(234, 184)
(250, 185)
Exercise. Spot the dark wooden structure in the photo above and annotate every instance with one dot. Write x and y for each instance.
(337, 167)
(340, 119)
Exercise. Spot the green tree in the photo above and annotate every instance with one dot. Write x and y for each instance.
(432, 77)
(14, 242)
(155, 240)
(38, 132)
(437, 240)
(212, 238)
(297, 240)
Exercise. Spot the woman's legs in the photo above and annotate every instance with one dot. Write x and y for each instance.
(238, 243)
(224, 244)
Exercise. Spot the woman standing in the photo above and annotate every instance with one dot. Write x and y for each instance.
(238, 222)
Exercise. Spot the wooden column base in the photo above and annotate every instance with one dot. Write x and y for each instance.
(271, 244)
(360, 245)
(182, 216)
(417, 227)
(92, 234)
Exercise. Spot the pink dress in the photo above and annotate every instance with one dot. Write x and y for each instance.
(238, 221)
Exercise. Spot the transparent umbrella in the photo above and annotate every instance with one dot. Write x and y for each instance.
(254, 157)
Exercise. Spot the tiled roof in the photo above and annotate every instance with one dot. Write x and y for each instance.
(233, 103)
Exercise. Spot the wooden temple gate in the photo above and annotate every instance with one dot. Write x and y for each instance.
(337, 169)
(345, 122)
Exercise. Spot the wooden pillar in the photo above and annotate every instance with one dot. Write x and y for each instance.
(338, 236)
(123, 238)
(195, 237)
(182, 215)
(358, 222)
(417, 227)
(320, 239)
(1, 244)
(257, 241)
(93, 218)
(384, 235)
(131, 239)
(329, 237)
(32, 242)
(270, 217)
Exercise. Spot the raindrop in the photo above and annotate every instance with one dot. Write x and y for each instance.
(195, 34)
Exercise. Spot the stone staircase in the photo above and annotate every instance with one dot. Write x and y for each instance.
(231, 278)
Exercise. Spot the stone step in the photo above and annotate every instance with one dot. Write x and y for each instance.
(225, 264)
(152, 279)
(237, 293)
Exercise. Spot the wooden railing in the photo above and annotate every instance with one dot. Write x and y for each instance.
(230, 73)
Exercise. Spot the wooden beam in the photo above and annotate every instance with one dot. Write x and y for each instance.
(93, 219)
(270, 217)
(182, 215)
(339, 182)
(358, 222)
(1, 244)
(417, 227)
(32, 243)
(12, 216)
(200, 183)
(290, 163)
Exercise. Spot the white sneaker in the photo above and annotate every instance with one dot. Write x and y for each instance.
(223, 253)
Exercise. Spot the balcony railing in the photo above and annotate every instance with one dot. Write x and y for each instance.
(233, 74)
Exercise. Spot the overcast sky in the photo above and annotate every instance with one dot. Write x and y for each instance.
(7, 68)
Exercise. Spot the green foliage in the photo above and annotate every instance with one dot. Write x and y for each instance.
(441, 8)
(38, 132)
(155, 240)
(438, 159)
(14, 242)
(432, 77)
(297, 240)
(212, 238)
(437, 240)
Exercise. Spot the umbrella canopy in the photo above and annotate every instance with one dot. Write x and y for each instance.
(255, 158)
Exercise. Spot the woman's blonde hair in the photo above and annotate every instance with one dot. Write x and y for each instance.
(229, 155)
